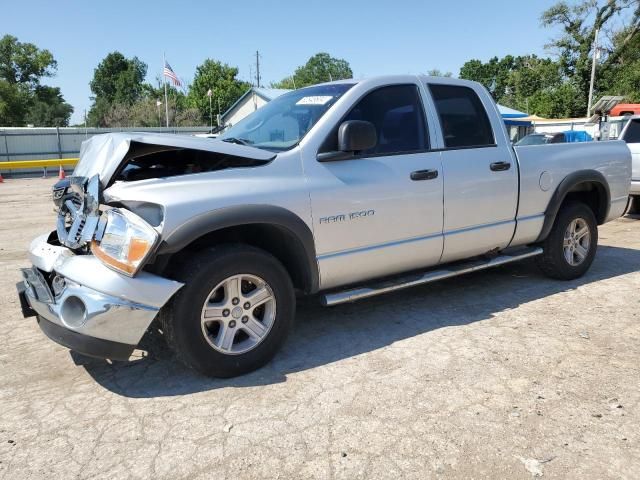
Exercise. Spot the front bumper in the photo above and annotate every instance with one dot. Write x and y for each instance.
(635, 187)
(93, 310)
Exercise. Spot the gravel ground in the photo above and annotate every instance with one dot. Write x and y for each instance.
(499, 374)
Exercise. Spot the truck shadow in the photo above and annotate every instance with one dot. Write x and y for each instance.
(326, 335)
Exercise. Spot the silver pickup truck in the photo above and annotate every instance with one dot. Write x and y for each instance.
(343, 190)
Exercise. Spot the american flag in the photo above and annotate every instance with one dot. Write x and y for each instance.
(168, 72)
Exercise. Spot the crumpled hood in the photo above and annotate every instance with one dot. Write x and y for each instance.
(103, 154)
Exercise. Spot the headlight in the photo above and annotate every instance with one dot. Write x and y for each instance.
(125, 241)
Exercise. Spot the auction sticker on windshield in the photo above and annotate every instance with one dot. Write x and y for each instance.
(314, 100)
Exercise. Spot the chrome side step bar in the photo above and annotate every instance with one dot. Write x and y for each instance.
(357, 293)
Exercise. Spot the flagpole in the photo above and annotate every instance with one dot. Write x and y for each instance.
(164, 78)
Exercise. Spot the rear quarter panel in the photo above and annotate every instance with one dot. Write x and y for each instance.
(543, 167)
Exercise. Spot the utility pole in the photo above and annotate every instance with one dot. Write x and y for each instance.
(593, 71)
(258, 69)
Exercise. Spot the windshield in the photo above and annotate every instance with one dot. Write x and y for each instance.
(284, 121)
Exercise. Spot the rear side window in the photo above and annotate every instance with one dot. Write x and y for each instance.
(632, 134)
(397, 114)
(463, 119)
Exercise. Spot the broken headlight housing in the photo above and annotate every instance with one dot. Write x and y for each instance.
(123, 241)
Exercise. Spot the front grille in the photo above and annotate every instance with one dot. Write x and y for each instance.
(78, 213)
(77, 200)
(81, 225)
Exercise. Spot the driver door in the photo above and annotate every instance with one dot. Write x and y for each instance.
(381, 212)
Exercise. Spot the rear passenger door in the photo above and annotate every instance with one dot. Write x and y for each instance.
(480, 174)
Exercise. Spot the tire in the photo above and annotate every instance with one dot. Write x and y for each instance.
(634, 205)
(225, 340)
(555, 261)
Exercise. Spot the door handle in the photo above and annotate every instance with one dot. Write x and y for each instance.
(500, 166)
(424, 174)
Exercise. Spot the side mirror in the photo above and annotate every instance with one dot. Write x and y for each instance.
(356, 135)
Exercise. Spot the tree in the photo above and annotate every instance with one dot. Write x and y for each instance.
(117, 80)
(48, 108)
(222, 80)
(321, 67)
(13, 104)
(529, 83)
(24, 63)
(23, 99)
(574, 47)
(623, 75)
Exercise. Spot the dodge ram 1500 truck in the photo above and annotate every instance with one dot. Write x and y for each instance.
(342, 190)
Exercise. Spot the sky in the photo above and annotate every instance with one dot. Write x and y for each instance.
(375, 37)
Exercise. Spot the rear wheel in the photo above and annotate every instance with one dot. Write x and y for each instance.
(571, 245)
(634, 205)
(234, 312)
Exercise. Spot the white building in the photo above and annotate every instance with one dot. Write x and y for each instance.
(248, 103)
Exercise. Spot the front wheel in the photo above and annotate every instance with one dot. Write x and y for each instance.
(571, 245)
(234, 312)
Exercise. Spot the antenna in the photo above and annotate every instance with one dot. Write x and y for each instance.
(257, 69)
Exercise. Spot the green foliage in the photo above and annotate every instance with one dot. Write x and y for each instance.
(13, 104)
(560, 87)
(22, 99)
(623, 75)
(24, 63)
(434, 72)
(322, 67)
(117, 80)
(146, 112)
(49, 108)
(222, 80)
(578, 23)
(528, 83)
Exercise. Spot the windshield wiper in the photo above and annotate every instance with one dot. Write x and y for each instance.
(239, 141)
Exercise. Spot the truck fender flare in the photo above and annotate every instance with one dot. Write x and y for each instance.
(239, 215)
(564, 187)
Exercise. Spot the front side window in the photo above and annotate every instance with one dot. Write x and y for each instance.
(284, 121)
(463, 119)
(396, 113)
(632, 135)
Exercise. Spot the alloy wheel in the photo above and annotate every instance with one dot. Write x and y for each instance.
(238, 314)
(577, 241)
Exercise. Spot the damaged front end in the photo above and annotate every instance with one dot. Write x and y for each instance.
(87, 285)
(122, 240)
(84, 305)
(77, 200)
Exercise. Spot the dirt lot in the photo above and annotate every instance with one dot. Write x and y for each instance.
(500, 374)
